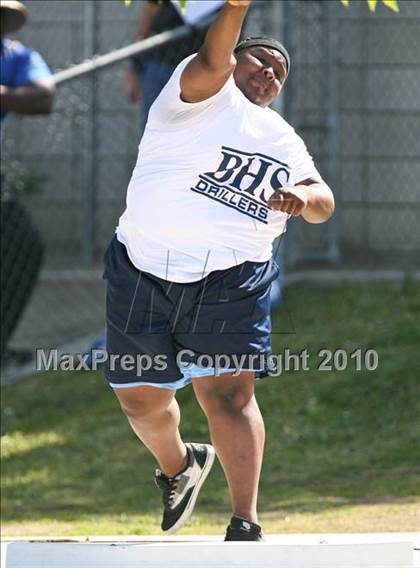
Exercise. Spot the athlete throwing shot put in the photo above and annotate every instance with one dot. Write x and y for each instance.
(190, 267)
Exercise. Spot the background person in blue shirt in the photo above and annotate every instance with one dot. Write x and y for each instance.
(26, 87)
(26, 84)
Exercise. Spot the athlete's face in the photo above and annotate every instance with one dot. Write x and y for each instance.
(260, 73)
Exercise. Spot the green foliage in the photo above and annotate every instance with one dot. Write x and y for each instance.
(337, 442)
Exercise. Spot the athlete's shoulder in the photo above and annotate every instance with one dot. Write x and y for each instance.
(276, 119)
(276, 126)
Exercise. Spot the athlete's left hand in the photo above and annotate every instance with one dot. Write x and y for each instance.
(291, 200)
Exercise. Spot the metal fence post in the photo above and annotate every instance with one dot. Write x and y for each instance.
(333, 124)
(276, 30)
(290, 249)
(89, 159)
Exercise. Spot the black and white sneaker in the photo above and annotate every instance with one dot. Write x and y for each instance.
(180, 492)
(241, 529)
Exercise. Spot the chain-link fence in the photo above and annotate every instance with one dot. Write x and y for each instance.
(67, 174)
(352, 94)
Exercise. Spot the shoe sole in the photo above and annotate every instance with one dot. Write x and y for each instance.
(191, 503)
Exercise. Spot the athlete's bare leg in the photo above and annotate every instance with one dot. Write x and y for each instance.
(237, 433)
(153, 414)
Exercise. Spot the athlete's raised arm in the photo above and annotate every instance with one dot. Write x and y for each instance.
(206, 74)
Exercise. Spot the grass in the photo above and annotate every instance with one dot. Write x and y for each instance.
(342, 452)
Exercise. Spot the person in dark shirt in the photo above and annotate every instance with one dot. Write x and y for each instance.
(147, 75)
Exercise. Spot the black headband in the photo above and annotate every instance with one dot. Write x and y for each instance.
(264, 42)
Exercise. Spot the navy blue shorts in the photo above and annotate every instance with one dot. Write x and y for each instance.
(164, 333)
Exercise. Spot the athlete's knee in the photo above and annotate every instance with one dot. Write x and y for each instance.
(140, 409)
(231, 400)
(143, 404)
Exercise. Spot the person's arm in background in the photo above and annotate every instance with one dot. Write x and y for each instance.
(211, 68)
(131, 86)
(34, 98)
(32, 89)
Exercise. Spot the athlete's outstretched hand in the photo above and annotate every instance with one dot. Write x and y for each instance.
(291, 200)
(239, 2)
